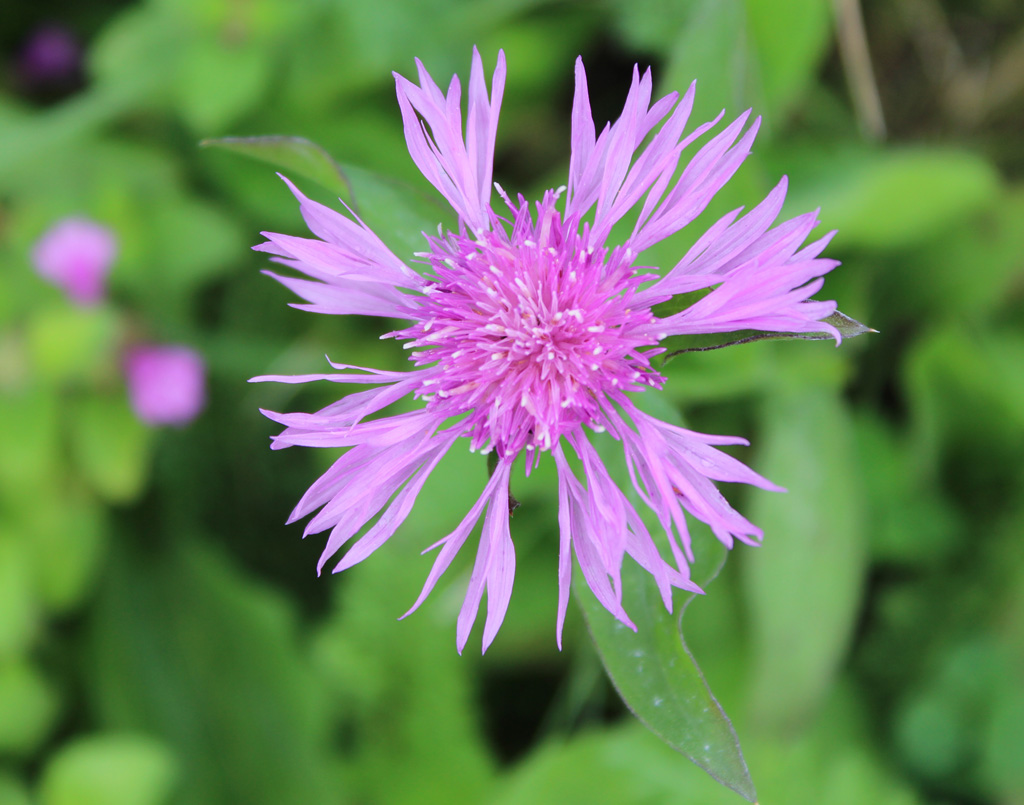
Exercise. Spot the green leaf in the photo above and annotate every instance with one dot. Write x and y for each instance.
(69, 524)
(833, 763)
(28, 707)
(18, 610)
(1003, 741)
(398, 214)
(743, 53)
(964, 273)
(847, 327)
(887, 199)
(657, 676)
(934, 735)
(219, 81)
(72, 344)
(29, 142)
(789, 39)
(111, 446)
(711, 48)
(139, 49)
(911, 523)
(804, 585)
(940, 724)
(401, 685)
(621, 763)
(192, 242)
(651, 25)
(109, 769)
(966, 393)
(679, 302)
(296, 155)
(131, 62)
(13, 791)
(836, 761)
(30, 458)
(184, 647)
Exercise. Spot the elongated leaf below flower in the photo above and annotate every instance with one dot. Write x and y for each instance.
(679, 345)
(657, 676)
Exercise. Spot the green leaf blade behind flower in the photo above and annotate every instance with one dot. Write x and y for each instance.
(295, 154)
(804, 587)
(184, 646)
(397, 213)
(682, 344)
(883, 200)
(657, 676)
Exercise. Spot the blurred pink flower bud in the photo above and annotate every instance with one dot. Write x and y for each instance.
(75, 254)
(166, 383)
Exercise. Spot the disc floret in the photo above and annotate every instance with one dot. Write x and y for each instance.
(532, 331)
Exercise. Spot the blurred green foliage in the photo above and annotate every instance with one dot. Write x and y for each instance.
(163, 638)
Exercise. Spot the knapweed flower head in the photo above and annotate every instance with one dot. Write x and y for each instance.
(166, 383)
(76, 254)
(528, 329)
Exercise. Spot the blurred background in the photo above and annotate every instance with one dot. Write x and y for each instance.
(163, 635)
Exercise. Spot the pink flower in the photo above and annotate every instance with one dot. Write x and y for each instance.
(166, 383)
(75, 255)
(529, 329)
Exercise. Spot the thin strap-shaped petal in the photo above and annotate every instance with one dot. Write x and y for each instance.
(360, 484)
(622, 142)
(493, 569)
(564, 540)
(368, 481)
(397, 512)
(724, 240)
(676, 476)
(591, 529)
(451, 544)
(655, 164)
(582, 140)
(460, 169)
(482, 123)
(352, 409)
(611, 542)
(773, 299)
(355, 238)
(696, 448)
(345, 297)
(329, 262)
(371, 376)
(701, 179)
(767, 280)
(598, 168)
(501, 566)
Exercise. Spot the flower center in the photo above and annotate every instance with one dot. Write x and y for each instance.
(531, 332)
